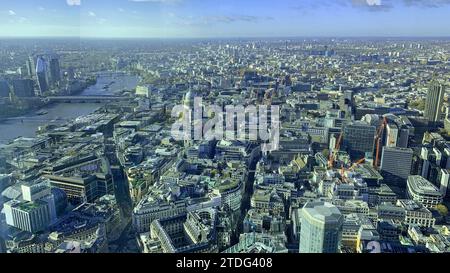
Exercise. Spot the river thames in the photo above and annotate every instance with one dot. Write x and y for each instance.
(59, 113)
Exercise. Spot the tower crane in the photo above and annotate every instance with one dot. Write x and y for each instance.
(354, 165)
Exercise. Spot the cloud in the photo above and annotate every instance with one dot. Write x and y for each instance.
(120, 10)
(157, 1)
(372, 5)
(40, 8)
(306, 6)
(214, 19)
(92, 14)
(426, 3)
(368, 5)
(15, 19)
(73, 2)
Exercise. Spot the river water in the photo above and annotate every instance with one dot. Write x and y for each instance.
(59, 113)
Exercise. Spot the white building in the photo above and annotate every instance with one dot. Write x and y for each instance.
(423, 191)
(28, 216)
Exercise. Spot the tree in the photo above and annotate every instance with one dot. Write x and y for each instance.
(442, 209)
(418, 104)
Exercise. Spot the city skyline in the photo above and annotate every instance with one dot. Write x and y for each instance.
(222, 19)
(203, 128)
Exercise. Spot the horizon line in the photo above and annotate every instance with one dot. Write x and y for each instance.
(229, 37)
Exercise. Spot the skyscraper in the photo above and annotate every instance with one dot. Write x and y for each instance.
(321, 228)
(31, 67)
(397, 161)
(433, 105)
(359, 139)
(391, 135)
(4, 89)
(55, 71)
(23, 88)
(41, 74)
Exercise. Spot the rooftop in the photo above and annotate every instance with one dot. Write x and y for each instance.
(322, 211)
(422, 186)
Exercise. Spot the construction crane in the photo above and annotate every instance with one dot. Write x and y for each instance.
(378, 139)
(357, 163)
(354, 165)
(332, 156)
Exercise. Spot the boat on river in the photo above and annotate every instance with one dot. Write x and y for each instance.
(42, 112)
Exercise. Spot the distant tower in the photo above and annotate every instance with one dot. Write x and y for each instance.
(41, 74)
(433, 105)
(31, 71)
(321, 228)
(55, 71)
(347, 102)
(188, 101)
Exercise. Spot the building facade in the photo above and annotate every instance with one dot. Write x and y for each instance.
(321, 228)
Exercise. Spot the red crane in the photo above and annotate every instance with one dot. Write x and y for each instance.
(356, 163)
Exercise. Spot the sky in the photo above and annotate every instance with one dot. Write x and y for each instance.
(224, 18)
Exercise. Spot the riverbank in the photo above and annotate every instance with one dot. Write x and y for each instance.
(15, 110)
(11, 111)
(59, 113)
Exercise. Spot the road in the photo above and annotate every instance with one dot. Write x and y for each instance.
(245, 203)
(124, 239)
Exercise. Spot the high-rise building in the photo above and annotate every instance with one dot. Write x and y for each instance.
(359, 139)
(433, 105)
(31, 71)
(35, 211)
(4, 89)
(41, 74)
(40, 191)
(391, 135)
(55, 71)
(397, 161)
(23, 88)
(444, 180)
(347, 103)
(83, 189)
(403, 136)
(28, 216)
(321, 228)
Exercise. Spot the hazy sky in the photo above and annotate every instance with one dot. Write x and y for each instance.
(224, 18)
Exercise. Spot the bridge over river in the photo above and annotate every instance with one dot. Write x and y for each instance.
(87, 99)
